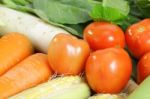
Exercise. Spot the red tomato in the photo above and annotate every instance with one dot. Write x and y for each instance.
(102, 35)
(143, 67)
(138, 38)
(108, 70)
(67, 54)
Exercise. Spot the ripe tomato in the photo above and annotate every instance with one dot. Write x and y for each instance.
(108, 70)
(102, 35)
(143, 67)
(67, 54)
(138, 38)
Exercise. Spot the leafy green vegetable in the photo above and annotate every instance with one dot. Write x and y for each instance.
(144, 7)
(69, 29)
(110, 10)
(134, 10)
(21, 5)
(120, 5)
(21, 2)
(140, 8)
(64, 11)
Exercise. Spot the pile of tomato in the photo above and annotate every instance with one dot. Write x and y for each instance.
(102, 56)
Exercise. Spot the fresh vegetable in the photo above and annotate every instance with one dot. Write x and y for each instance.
(110, 10)
(76, 9)
(106, 75)
(31, 71)
(140, 8)
(69, 87)
(14, 47)
(143, 67)
(137, 38)
(102, 35)
(144, 7)
(108, 70)
(78, 12)
(142, 92)
(37, 31)
(108, 96)
(67, 54)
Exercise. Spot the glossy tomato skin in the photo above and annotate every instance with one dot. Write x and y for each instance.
(67, 54)
(108, 70)
(143, 67)
(102, 35)
(138, 38)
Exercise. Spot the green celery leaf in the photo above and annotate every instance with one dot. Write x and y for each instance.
(120, 5)
(110, 10)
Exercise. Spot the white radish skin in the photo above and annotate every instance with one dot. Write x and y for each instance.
(39, 32)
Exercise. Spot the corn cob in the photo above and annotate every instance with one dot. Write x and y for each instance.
(69, 87)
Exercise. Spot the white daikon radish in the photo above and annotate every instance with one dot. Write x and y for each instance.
(39, 32)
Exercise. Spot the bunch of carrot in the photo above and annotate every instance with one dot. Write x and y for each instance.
(20, 67)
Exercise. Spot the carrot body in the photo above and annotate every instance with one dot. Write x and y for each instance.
(30, 72)
(14, 47)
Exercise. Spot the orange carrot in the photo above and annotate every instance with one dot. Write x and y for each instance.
(30, 72)
(14, 47)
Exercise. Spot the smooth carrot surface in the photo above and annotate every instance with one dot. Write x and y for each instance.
(14, 47)
(30, 72)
